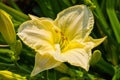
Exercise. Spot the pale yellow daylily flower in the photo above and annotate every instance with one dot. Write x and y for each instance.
(65, 39)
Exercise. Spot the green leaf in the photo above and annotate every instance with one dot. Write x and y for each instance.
(16, 14)
(110, 7)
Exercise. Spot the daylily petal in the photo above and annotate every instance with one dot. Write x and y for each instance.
(36, 35)
(94, 42)
(44, 62)
(78, 57)
(75, 22)
(33, 17)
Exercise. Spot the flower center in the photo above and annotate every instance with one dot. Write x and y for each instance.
(61, 39)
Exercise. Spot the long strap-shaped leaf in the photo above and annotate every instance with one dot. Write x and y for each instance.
(110, 4)
(16, 14)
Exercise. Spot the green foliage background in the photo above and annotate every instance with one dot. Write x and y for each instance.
(107, 23)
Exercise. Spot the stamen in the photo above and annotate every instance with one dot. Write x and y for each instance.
(63, 42)
(61, 39)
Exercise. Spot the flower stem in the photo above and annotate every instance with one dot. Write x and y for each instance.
(6, 64)
(21, 68)
(105, 67)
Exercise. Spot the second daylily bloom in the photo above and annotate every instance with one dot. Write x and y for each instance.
(65, 39)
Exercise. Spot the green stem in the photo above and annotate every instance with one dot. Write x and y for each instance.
(105, 67)
(117, 73)
(4, 46)
(3, 51)
(16, 14)
(6, 51)
(14, 60)
(7, 65)
(21, 68)
(4, 59)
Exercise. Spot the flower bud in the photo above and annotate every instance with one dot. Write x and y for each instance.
(7, 75)
(95, 57)
(7, 28)
(62, 68)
